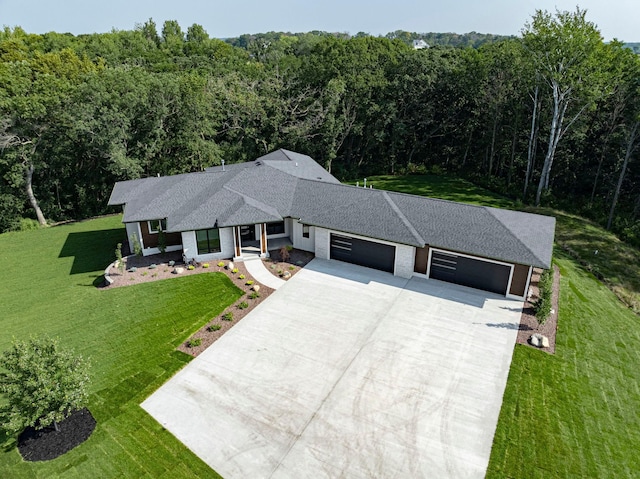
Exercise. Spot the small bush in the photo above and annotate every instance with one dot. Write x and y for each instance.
(154, 275)
(280, 272)
(254, 295)
(27, 224)
(243, 305)
(227, 316)
(284, 254)
(291, 268)
(234, 270)
(206, 265)
(214, 327)
(145, 273)
(221, 264)
(273, 266)
(249, 283)
(192, 343)
(241, 276)
(135, 243)
(191, 267)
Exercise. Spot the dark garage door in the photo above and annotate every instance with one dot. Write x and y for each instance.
(363, 253)
(469, 272)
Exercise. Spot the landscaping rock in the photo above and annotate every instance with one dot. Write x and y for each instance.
(256, 287)
(286, 275)
(539, 341)
(178, 270)
(230, 265)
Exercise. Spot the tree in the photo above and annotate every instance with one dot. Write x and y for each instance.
(43, 384)
(565, 50)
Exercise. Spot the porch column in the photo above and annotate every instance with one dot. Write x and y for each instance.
(237, 241)
(263, 240)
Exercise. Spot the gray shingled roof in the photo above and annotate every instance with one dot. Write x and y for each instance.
(287, 184)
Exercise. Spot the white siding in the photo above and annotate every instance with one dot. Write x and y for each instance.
(304, 244)
(190, 247)
(322, 243)
(132, 229)
(405, 256)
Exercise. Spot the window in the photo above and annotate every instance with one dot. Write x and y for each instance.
(208, 241)
(275, 228)
(305, 231)
(155, 226)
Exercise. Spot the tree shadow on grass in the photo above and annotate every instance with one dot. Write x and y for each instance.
(91, 250)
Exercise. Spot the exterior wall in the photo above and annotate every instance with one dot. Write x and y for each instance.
(520, 280)
(190, 247)
(149, 241)
(304, 244)
(405, 258)
(421, 260)
(322, 243)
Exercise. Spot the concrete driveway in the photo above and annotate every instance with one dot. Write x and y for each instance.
(349, 372)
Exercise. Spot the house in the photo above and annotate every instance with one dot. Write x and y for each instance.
(242, 210)
(419, 44)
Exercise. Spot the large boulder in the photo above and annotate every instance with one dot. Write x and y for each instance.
(178, 270)
(230, 265)
(539, 341)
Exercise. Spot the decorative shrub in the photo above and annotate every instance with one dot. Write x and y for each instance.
(192, 343)
(243, 305)
(280, 272)
(254, 295)
(153, 266)
(291, 268)
(289, 247)
(154, 275)
(221, 264)
(214, 327)
(191, 267)
(241, 276)
(273, 266)
(284, 254)
(135, 243)
(249, 283)
(206, 265)
(234, 270)
(227, 316)
(144, 273)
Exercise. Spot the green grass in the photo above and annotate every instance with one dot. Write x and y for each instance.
(129, 334)
(575, 413)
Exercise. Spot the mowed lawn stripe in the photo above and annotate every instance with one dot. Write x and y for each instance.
(129, 333)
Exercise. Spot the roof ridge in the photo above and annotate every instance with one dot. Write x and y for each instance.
(253, 202)
(403, 218)
(490, 210)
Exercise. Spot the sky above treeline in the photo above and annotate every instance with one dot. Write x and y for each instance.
(223, 19)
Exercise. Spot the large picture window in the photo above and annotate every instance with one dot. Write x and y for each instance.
(275, 228)
(208, 241)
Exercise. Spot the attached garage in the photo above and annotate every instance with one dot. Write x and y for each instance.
(361, 252)
(468, 271)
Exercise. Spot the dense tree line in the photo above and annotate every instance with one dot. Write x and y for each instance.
(551, 117)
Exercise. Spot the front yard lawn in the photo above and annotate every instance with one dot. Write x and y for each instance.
(130, 334)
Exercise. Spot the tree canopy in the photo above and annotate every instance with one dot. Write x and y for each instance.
(546, 118)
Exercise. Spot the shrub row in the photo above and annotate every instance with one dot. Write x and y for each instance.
(542, 306)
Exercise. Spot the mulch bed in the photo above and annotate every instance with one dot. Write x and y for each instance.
(46, 444)
(529, 323)
(208, 334)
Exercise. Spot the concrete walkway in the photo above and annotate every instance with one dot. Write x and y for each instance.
(257, 269)
(349, 372)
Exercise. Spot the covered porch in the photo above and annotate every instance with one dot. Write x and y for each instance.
(255, 241)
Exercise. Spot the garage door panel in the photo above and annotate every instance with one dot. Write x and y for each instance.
(471, 272)
(363, 253)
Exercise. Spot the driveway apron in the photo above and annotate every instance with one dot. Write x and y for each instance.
(349, 372)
